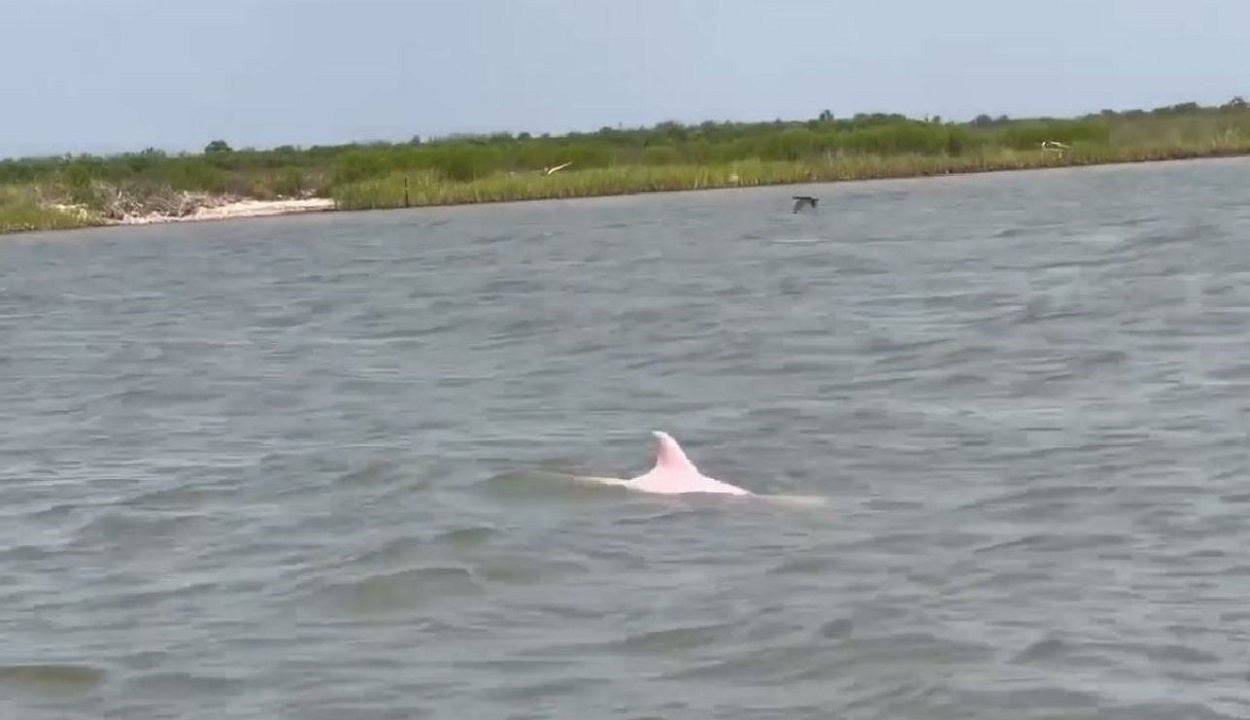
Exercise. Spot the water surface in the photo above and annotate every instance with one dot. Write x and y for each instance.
(309, 467)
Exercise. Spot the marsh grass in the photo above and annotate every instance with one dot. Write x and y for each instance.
(23, 209)
(429, 188)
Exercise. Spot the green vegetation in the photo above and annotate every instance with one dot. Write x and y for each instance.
(669, 156)
(22, 208)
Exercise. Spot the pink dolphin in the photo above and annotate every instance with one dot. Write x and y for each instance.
(673, 473)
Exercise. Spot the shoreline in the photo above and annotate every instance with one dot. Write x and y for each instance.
(947, 173)
(396, 191)
(215, 208)
(202, 208)
(232, 209)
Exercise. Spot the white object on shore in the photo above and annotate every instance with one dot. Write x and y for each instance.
(237, 209)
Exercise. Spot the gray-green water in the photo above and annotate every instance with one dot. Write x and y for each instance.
(300, 467)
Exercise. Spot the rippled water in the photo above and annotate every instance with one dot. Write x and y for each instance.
(317, 467)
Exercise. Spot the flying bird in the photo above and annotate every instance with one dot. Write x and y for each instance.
(801, 200)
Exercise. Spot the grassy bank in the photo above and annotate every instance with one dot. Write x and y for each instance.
(424, 188)
(22, 208)
(668, 156)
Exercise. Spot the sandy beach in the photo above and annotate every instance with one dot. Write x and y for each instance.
(233, 209)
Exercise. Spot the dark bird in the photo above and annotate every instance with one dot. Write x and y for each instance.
(801, 200)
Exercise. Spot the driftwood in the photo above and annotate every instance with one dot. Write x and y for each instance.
(123, 205)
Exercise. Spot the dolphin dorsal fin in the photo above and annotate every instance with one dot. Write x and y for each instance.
(668, 454)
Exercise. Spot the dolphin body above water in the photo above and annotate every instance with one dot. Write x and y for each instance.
(672, 474)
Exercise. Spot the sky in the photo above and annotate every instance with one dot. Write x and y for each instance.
(105, 76)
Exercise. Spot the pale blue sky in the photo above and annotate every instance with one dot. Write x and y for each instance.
(113, 75)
